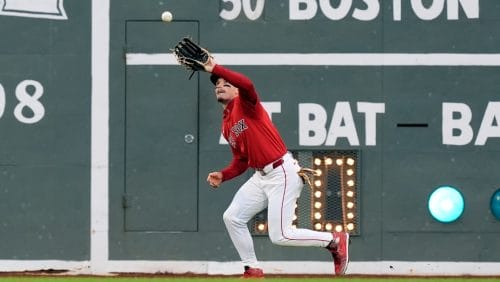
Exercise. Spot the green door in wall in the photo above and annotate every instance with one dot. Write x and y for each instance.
(161, 132)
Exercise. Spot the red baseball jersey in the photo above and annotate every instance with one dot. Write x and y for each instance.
(254, 140)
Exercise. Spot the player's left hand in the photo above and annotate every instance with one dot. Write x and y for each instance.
(191, 55)
(209, 66)
(214, 179)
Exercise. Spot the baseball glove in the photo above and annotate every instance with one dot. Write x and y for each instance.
(191, 55)
(305, 174)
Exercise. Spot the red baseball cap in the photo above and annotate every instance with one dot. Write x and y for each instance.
(214, 78)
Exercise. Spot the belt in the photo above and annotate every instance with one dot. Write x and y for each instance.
(268, 168)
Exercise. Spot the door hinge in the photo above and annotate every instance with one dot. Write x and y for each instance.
(126, 201)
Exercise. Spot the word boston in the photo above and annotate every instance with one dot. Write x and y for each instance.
(367, 10)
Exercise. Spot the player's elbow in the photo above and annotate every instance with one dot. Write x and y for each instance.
(247, 85)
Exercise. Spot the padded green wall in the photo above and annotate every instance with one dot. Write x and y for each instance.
(45, 147)
(160, 207)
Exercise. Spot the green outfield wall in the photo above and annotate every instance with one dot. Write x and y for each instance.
(114, 148)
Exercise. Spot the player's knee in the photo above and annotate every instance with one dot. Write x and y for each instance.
(230, 219)
(277, 238)
(227, 216)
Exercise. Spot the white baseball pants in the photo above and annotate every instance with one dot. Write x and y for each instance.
(278, 191)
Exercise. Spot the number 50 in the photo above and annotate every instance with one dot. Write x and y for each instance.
(251, 14)
(26, 100)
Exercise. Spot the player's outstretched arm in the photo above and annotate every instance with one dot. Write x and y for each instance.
(239, 80)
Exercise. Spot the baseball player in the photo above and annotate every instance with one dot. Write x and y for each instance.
(256, 143)
(275, 185)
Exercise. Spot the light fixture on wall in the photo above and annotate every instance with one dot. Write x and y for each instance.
(446, 204)
(495, 204)
(332, 203)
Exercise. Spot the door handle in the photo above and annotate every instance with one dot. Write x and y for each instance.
(189, 138)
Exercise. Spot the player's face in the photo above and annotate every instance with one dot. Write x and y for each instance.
(225, 91)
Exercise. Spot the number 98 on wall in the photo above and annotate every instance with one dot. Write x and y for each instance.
(28, 109)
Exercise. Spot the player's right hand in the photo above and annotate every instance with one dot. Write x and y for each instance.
(214, 179)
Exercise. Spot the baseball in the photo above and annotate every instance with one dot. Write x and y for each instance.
(166, 16)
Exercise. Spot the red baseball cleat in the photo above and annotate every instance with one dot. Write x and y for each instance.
(340, 252)
(253, 273)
